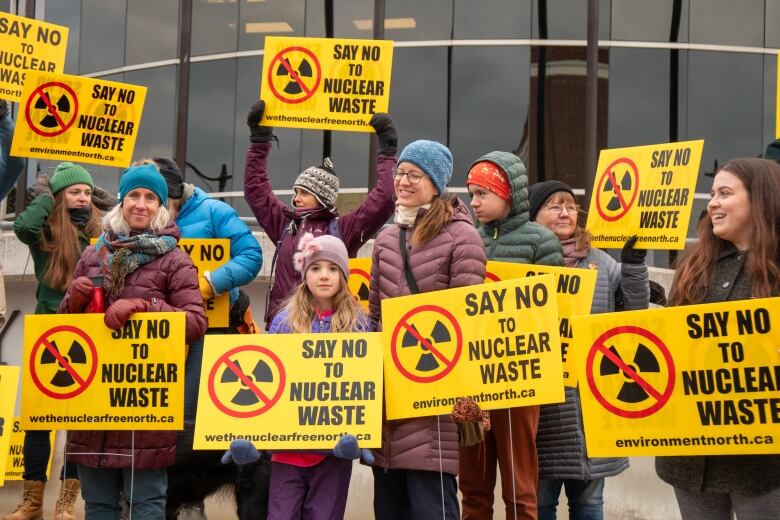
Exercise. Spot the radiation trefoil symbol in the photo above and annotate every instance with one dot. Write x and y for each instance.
(644, 361)
(76, 355)
(51, 109)
(617, 189)
(427, 361)
(294, 75)
(609, 187)
(246, 397)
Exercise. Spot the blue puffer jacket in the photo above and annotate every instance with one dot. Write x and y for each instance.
(203, 217)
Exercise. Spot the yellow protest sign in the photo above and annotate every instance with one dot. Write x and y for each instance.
(72, 118)
(9, 383)
(645, 191)
(360, 279)
(497, 343)
(325, 83)
(14, 467)
(290, 391)
(81, 375)
(28, 45)
(692, 380)
(574, 288)
(208, 254)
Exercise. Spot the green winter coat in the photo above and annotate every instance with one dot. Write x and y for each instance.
(28, 227)
(516, 238)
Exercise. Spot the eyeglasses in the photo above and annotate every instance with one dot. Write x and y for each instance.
(558, 208)
(412, 176)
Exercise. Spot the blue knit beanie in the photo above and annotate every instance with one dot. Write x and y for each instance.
(144, 176)
(432, 158)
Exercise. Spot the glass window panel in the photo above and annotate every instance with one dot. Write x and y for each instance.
(417, 98)
(269, 18)
(102, 47)
(772, 27)
(211, 120)
(214, 27)
(492, 19)
(723, 108)
(639, 20)
(568, 19)
(726, 22)
(158, 123)
(638, 97)
(770, 99)
(482, 122)
(5, 6)
(152, 31)
(67, 13)
(404, 19)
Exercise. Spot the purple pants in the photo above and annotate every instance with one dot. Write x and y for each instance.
(317, 492)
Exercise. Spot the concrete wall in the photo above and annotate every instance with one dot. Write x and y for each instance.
(635, 494)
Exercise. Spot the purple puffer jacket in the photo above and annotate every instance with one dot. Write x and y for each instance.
(173, 281)
(274, 216)
(454, 258)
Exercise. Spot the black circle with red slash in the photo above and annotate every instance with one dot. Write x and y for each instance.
(608, 174)
(52, 109)
(661, 398)
(281, 96)
(449, 363)
(267, 402)
(492, 277)
(82, 382)
(359, 272)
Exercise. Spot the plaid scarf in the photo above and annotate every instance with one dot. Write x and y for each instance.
(121, 255)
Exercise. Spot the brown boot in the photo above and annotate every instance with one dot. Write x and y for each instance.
(66, 501)
(30, 506)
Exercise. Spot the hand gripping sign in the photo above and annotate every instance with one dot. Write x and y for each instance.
(325, 83)
(574, 288)
(645, 191)
(497, 343)
(9, 383)
(14, 467)
(28, 45)
(290, 391)
(693, 380)
(72, 118)
(81, 375)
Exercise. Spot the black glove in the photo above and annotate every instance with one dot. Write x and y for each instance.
(386, 133)
(629, 255)
(3, 108)
(258, 134)
(39, 187)
(102, 199)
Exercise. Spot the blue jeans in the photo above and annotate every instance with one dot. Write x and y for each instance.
(145, 489)
(192, 379)
(586, 498)
(36, 451)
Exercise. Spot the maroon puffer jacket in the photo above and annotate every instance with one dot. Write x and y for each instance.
(274, 216)
(173, 280)
(454, 258)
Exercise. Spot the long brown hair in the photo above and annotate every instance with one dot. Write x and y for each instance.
(348, 316)
(761, 178)
(60, 240)
(433, 220)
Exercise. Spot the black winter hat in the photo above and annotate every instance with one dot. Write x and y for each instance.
(538, 193)
(773, 151)
(173, 177)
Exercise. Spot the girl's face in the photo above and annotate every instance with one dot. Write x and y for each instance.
(78, 196)
(559, 215)
(730, 210)
(488, 207)
(412, 186)
(304, 200)
(323, 278)
(139, 208)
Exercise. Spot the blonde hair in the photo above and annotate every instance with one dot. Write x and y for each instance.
(115, 221)
(348, 316)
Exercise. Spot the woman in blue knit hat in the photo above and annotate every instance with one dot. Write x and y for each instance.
(142, 270)
(435, 239)
(57, 225)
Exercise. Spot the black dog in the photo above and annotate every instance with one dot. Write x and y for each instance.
(198, 474)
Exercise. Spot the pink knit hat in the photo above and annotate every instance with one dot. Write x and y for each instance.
(323, 247)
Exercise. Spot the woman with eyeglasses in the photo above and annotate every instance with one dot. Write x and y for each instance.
(313, 204)
(563, 460)
(432, 246)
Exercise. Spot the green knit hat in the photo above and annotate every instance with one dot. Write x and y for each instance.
(68, 174)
